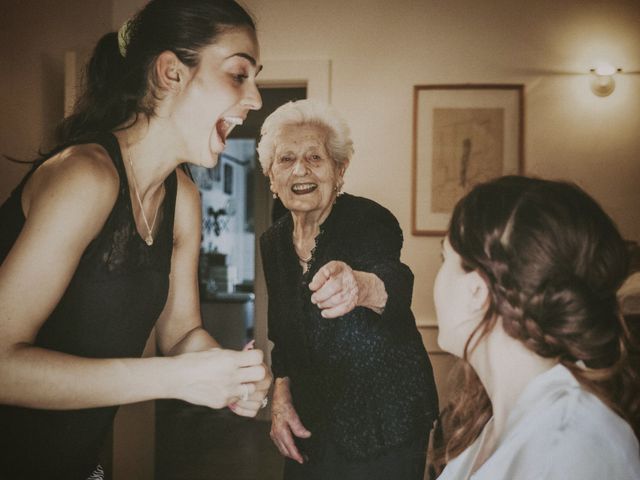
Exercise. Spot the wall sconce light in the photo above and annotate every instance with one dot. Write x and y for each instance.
(602, 81)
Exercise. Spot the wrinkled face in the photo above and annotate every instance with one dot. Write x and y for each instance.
(460, 301)
(220, 92)
(302, 173)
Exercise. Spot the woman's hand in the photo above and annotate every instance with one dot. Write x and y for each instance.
(285, 422)
(255, 401)
(338, 289)
(216, 378)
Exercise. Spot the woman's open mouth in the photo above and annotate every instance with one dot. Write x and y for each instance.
(303, 188)
(224, 127)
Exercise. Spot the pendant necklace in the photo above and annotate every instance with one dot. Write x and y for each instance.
(149, 238)
(306, 261)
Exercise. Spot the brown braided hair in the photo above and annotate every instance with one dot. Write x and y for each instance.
(553, 261)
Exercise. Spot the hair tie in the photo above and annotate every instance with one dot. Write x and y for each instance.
(123, 37)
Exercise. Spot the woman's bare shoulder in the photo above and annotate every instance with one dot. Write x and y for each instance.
(82, 171)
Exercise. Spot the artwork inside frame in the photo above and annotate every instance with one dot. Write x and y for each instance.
(462, 135)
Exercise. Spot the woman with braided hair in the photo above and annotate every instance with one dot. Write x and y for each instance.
(526, 296)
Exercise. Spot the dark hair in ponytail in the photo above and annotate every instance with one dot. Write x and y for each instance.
(118, 86)
(553, 261)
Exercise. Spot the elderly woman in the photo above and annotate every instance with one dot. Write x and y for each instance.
(354, 392)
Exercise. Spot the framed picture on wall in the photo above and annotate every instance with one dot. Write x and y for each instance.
(462, 135)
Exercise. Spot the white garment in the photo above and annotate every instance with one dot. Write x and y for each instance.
(557, 431)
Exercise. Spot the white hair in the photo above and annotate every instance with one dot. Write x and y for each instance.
(306, 112)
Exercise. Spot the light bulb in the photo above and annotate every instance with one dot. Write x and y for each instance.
(602, 81)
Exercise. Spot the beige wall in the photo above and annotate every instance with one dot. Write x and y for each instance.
(33, 39)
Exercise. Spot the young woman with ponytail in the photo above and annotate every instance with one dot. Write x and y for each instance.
(526, 296)
(100, 242)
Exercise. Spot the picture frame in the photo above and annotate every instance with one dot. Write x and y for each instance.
(462, 135)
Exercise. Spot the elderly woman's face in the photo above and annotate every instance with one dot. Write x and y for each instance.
(302, 173)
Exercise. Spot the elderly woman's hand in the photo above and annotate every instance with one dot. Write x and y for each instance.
(285, 422)
(338, 289)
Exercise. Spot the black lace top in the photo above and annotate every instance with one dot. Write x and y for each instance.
(108, 310)
(362, 380)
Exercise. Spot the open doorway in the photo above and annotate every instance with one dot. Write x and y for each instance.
(236, 207)
(196, 442)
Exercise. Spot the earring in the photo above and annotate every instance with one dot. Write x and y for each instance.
(275, 195)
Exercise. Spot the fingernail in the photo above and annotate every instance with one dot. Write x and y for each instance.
(249, 346)
(232, 406)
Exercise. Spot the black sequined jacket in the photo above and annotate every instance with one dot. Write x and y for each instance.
(362, 380)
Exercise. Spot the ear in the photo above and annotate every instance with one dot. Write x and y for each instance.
(271, 179)
(478, 291)
(170, 71)
(341, 169)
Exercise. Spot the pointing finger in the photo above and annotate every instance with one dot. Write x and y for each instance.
(324, 274)
(318, 280)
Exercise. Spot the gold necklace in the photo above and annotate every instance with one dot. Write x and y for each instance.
(149, 238)
(304, 260)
